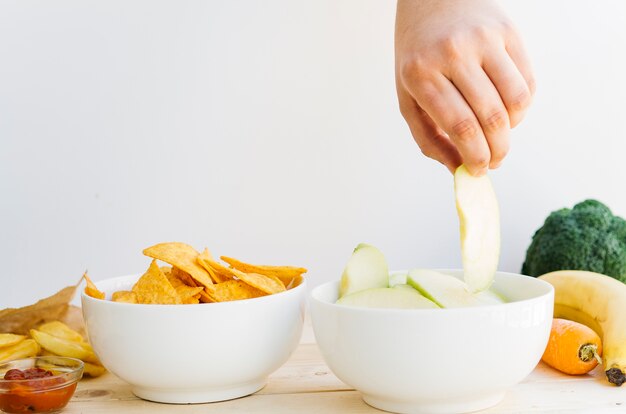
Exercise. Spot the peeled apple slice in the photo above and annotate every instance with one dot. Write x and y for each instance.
(390, 298)
(479, 218)
(447, 291)
(366, 269)
(397, 278)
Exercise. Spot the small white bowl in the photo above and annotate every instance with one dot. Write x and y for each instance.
(194, 353)
(436, 360)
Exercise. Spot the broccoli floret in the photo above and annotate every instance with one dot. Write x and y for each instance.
(586, 237)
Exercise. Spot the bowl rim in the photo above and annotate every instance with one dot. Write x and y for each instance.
(69, 377)
(88, 299)
(349, 308)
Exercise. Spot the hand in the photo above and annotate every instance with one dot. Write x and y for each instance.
(463, 80)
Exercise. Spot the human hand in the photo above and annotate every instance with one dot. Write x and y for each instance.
(463, 80)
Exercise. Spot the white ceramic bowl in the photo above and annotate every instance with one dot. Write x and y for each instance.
(194, 353)
(435, 360)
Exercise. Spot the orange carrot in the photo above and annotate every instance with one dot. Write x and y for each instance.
(573, 348)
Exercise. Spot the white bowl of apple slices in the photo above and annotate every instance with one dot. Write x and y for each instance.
(433, 360)
(426, 341)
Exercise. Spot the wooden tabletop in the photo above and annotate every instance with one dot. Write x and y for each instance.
(306, 385)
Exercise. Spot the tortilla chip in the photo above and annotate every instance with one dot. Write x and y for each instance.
(294, 282)
(266, 283)
(185, 292)
(220, 272)
(206, 254)
(182, 256)
(205, 297)
(154, 288)
(174, 281)
(202, 260)
(234, 290)
(192, 300)
(184, 277)
(285, 273)
(91, 289)
(124, 296)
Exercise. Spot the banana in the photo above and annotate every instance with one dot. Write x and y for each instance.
(599, 302)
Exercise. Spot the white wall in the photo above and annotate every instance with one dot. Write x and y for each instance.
(269, 131)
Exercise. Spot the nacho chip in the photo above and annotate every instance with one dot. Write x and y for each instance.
(154, 288)
(91, 289)
(185, 292)
(124, 296)
(202, 260)
(182, 256)
(206, 254)
(174, 281)
(194, 300)
(219, 273)
(205, 297)
(184, 277)
(286, 274)
(223, 273)
(233, 290)
(294, 282)
(266, 283)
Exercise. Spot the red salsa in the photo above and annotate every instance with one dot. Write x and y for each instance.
(34, 390)
(30, 373)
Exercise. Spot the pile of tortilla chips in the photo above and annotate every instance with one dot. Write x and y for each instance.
(194, 277)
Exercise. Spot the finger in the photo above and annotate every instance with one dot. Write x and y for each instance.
(509, 82)
(516, 50)
(485, 102)
(448, 109)
(432, 140)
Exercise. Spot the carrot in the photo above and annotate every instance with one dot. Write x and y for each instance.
(573, 348)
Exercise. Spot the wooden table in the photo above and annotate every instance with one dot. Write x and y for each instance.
(306, 385)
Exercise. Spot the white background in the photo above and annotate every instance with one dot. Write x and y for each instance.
(269, 131)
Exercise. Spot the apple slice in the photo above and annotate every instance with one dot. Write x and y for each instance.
(397, 278)
(490, 296)
(397, 298)
(447, 291)
(366, 269)
(402, 286)
(479, 218)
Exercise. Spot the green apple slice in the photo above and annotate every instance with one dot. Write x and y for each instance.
(402, 286)
(447, 291)
(366, 269)
(490, 296)
(479, 218)
(390, 298)
(397, 278)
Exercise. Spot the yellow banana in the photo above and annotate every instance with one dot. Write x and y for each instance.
(599, 302)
